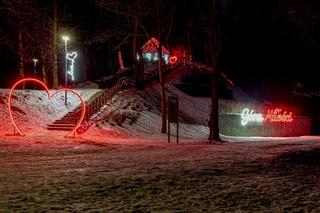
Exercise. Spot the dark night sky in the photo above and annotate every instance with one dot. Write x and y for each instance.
(271, 41)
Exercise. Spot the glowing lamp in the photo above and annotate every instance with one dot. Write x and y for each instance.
(65, 38)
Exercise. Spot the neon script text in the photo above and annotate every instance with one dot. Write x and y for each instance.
(276, 115)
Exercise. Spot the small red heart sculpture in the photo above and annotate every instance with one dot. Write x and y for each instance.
(49, 97)
(173, 59)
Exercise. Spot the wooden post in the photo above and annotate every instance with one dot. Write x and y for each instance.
(177, 108)
(173, 115)
(169, 119)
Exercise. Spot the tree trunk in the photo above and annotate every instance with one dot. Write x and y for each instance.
(161, 72)
(141, 68)
(55, 84)
(135, 62)
(213, 123)
(162, 91)
(43, 68)
(215, 49)
(21, 56)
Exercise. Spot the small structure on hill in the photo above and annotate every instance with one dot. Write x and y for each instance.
(150, 52)
(151, 56)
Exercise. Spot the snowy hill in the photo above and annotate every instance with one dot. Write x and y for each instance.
(33, 111)
(138, 113)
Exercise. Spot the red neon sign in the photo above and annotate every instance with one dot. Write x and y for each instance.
(49, 97)
(173, 59)
(278, 115)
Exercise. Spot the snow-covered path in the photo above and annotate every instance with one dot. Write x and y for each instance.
(112, 175)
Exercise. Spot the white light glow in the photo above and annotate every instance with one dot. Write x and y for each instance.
(65, 38)
(149, 56)
(248, 115)
(166, 58)
(155, 58)
(71, 57)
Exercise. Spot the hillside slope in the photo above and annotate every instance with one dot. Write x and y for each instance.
(138, 113)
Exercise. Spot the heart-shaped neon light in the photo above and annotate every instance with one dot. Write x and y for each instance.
(71, 56)
(49, 97)
(173, 59)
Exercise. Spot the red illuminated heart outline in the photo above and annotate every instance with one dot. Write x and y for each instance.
(49, 97)
(173, 59)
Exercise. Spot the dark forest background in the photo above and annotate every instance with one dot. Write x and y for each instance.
(269, 47)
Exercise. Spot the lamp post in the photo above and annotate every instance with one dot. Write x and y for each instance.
(66, 39)
(35, 61)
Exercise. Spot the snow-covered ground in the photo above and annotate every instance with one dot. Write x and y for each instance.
(123, 164)
(33, 111)
(137, 114)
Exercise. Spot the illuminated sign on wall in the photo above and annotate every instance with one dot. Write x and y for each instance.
(71, 57)
(83, 111)
(248, 115)
(276, 115)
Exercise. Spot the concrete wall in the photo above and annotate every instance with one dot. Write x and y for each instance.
(230, 121)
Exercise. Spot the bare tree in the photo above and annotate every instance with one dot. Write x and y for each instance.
(23, 33)
(161, 71)
(54, 44)
(129, 27)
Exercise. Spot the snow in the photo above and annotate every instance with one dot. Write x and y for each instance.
(137, 114)
(33, 111)
(255, 139)
(131, 115)
(88, 85)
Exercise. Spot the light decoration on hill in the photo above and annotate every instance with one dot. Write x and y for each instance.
(149, 56)
(71, 57)
(276, 115)
(173, 60)
(154, 57)
(83, 111)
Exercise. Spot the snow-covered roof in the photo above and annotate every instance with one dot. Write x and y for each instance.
(152, 46)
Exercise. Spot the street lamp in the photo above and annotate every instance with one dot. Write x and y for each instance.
(66, 39)
(35, 61)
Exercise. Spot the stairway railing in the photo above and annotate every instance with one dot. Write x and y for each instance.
(94, 106)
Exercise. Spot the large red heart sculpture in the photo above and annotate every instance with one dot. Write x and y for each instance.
(49, 97)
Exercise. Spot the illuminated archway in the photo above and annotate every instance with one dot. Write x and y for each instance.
(49, 97)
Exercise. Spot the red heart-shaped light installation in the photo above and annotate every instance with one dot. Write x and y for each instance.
(173, 59)
(49, 97)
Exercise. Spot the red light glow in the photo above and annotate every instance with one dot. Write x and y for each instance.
(278, 115)
(173, 59)
(49, 97)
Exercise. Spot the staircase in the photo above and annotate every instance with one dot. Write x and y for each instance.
(93, 105)
(68, 122)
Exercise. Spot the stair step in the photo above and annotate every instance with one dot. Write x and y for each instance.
(65, 122)
(69, 119)
(60, 128)
(61, 125)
